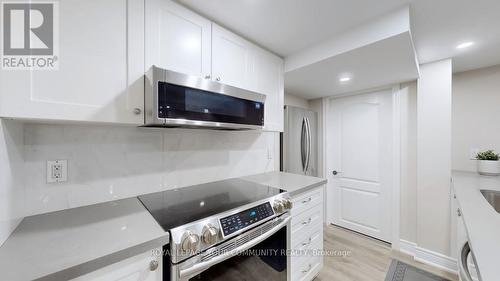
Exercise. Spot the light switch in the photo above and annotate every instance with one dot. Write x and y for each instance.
(57, 171)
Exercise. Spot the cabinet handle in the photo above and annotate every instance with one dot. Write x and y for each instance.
(217, 79)
(307, 270)
(307, 221)
(307, 200)
(153, 265)
(308, 242)
(137, 111)
(208, 76)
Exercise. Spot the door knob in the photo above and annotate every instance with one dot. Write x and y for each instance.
(335, 173)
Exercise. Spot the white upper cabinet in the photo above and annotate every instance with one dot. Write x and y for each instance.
(100, 73)
(177, 39)
(105, 47)
(231, 58)
(238, 62)
(267, 79)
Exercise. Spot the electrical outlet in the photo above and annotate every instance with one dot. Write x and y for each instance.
(57, 171)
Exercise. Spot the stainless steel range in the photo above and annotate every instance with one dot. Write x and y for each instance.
(227, 230)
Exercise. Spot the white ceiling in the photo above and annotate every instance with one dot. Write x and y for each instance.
(385, 62)
(288, 26)
(440, 25)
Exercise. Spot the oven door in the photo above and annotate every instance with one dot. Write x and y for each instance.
(258, 254)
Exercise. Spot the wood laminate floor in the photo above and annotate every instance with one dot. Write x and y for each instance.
(361, 258)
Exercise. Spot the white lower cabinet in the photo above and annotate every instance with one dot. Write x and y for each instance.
(144, 267)
(306, 238)
(459, 236)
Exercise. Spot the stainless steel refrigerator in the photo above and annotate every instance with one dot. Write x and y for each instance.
(299, 154)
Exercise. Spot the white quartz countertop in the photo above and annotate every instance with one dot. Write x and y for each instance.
(69, 243)
(292, 183)
(481, 221)
(66, 244)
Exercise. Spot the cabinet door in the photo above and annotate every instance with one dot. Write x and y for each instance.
(268, 79)
(177, 39)
(231, 58)
(137, 268)
(100, 73)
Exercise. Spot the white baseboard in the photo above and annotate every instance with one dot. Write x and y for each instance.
(436, 259)
(407, 247)
(429, 257)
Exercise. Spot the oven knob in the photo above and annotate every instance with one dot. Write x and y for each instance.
(287, 203)
(278, 207)
(190, 241)
(210, 234)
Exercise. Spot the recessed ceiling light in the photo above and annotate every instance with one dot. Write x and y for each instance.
(465, 45)
(344, 79)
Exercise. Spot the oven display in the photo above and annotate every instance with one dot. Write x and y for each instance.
(243, 219)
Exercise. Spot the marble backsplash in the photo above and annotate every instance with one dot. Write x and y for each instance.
(108, 162)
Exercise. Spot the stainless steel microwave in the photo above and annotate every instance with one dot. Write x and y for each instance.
(173, 99)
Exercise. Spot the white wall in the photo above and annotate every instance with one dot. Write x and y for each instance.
(476, 115)
(408, 191)
(11, 173)
(434, 156)
(296, 101)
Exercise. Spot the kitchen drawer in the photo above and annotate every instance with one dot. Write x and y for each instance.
(304, 250)
(306, 265)
(306, 201)
(306, 238)
(308, 270)
(306, 223)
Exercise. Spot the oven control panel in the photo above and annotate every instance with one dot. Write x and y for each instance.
(241, 220)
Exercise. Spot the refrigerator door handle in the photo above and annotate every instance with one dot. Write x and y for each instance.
(309, 140)
(303, 136)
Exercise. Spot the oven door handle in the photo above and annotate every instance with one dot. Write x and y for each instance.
(200, 267)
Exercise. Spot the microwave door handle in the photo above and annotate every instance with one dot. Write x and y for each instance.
(202, 266)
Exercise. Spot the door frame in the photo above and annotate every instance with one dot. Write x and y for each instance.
(396, 162)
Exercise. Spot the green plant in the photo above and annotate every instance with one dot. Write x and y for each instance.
(487, 155)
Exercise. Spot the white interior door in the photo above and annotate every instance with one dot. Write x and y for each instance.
(360, 151)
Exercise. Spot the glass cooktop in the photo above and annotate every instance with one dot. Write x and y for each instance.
(176, 207)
